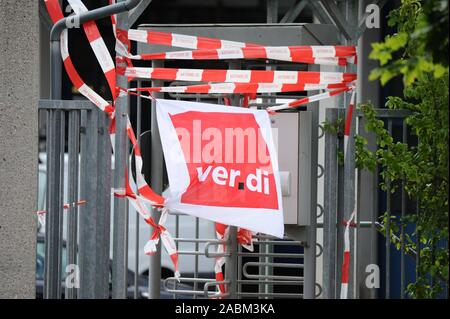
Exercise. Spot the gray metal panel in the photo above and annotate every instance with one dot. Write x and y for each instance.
(286, 139)
(265, 34)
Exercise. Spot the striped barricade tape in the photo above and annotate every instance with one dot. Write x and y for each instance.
(238, 76)
(41, 213)
(346, 258)
(332, 55)
(239, 88)
(309, 99)
(211, 48)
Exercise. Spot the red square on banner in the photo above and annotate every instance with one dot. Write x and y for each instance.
(227, 159)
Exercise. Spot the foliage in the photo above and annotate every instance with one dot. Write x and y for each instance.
(420, 45)
(420, 55)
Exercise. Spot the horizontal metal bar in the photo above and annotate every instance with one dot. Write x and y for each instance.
(385, 113)
(199, 240)
(275, 265)
(259, 294)
(275, 255)
(189, 280)
(271, 282)
(214, 255)
(215, 295)
(66, 105)
(190, 253)
(279, 243)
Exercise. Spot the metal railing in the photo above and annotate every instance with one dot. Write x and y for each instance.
(84, 174)
(371, 245)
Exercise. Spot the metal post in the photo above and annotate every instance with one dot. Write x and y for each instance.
(157, 174)
(350, 8)
(120, 262)
(231, 263)
(388, 227)
(52, 281)
(402, 222)
(103, 223)
(88, 212)
(137, 216)
(330, 209)
(309, 288)
(72, 212)
(272, 11)
(95, 214)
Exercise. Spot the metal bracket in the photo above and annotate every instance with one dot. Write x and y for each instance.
(339, 20)
(134, 14)
(294, 11)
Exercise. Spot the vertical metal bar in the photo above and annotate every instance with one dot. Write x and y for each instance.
(52, 278)
(231, 263)
(340, 210)
(388, 226)
(239, 270)
(197, 236)
(119, 266)
(373, 228)
(309, 288)
(54, 209)
(330, 209)
(137, 216)
(62, 143)
(351, 15)
(88, 212)
(272, 11)
(72, 212)
(157, 171)
(402, 225)
(48, 147)
(103, 222)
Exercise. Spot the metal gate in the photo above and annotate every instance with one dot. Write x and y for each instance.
(278, 268)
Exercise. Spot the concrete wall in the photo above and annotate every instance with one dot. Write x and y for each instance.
(19, 91)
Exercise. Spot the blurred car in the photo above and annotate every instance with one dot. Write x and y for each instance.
(141, 280)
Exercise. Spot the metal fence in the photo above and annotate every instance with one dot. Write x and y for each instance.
(77, 168)
(370, 245)
(271, 271)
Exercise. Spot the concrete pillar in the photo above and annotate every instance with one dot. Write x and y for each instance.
(19, 91)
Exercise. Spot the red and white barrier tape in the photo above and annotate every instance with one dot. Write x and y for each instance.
(98, 46)
(242, 88)
(244, 238)
(56, 14)
(238, 76)
(211, 48)
(327, 55)
(180, 40)
(348, 122)
(309, 99)
(41, 213)
(346, 261)
(349, 223)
